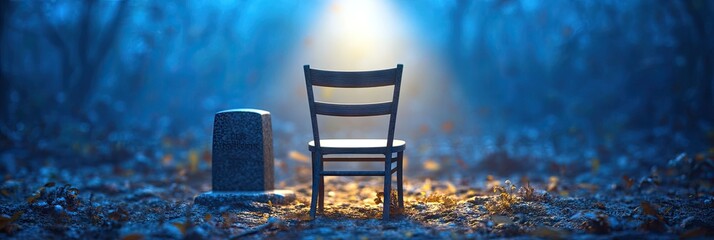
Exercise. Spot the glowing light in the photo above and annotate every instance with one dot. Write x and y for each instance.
(366, 35)
(358, 34)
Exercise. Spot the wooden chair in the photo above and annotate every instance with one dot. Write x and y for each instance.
(336, 147)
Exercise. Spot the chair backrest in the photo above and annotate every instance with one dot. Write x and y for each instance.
(367, 79)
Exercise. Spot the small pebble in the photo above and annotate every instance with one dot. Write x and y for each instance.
(58, 208)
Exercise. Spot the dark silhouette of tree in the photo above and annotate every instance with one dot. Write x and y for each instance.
(83, 55)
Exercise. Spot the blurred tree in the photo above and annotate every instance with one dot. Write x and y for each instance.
(83, 48)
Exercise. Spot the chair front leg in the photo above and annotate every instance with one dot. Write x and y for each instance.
(400, 179)
(387, 185)
(321, 197)
(315, 173)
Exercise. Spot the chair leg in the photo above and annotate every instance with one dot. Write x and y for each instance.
(400, 180)
(321, 198)
(315, 173)
(387, 186)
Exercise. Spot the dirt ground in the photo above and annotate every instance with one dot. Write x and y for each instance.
(135, 202)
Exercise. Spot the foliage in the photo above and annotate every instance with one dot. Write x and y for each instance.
(393, 202)
(8, 225)
(446, 200)
(506, 196)
(51, 198)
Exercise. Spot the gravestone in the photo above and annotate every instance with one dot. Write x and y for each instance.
(242, 164)
(242, 151)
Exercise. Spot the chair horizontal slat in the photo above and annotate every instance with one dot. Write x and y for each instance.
(353, 79)
(353, 110)
(352, 173)
(353, 159)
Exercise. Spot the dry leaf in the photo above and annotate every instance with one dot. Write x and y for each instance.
(450, 188)
(180, 226)
(426, 188)
(297, 156)
(548, 233)
(695, 233)
(649, 209)
(553, 184)
(500, 219)
(628, 181)
(193, 161)
(227, 220)
(206, 155)
(6, 222)
(167, 159)
(133, 236)
(431, 165)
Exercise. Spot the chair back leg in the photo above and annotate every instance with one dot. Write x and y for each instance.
(321, 197)
(400, 180)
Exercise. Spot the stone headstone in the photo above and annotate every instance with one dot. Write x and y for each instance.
(242, 165)
(242, 151)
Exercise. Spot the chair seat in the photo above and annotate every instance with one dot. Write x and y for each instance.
(357, 145)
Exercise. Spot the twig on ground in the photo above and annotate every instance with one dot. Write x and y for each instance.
(271, 221)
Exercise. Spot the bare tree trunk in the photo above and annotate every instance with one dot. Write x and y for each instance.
(699, 14)
(5, 10)
(82, 91)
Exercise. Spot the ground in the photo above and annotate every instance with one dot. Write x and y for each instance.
(506, 187)
(110, 202)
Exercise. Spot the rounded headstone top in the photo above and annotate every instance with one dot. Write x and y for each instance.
(245, 110)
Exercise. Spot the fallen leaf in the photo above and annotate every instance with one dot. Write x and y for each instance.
(167, 159)
(206, 155)
(549, 233)
(599, 225)
(694, 233)
(491, 183)
(378, 199)
(500, 219)
(553, 184)
(450, 188)
(193, 161)
(426, 188)
(180, 226)
(297, 156)
(133, 236)
(33, 198)
(431, 165)
(227, 220)
(628, 181)
(648, 209)
(119, 215)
